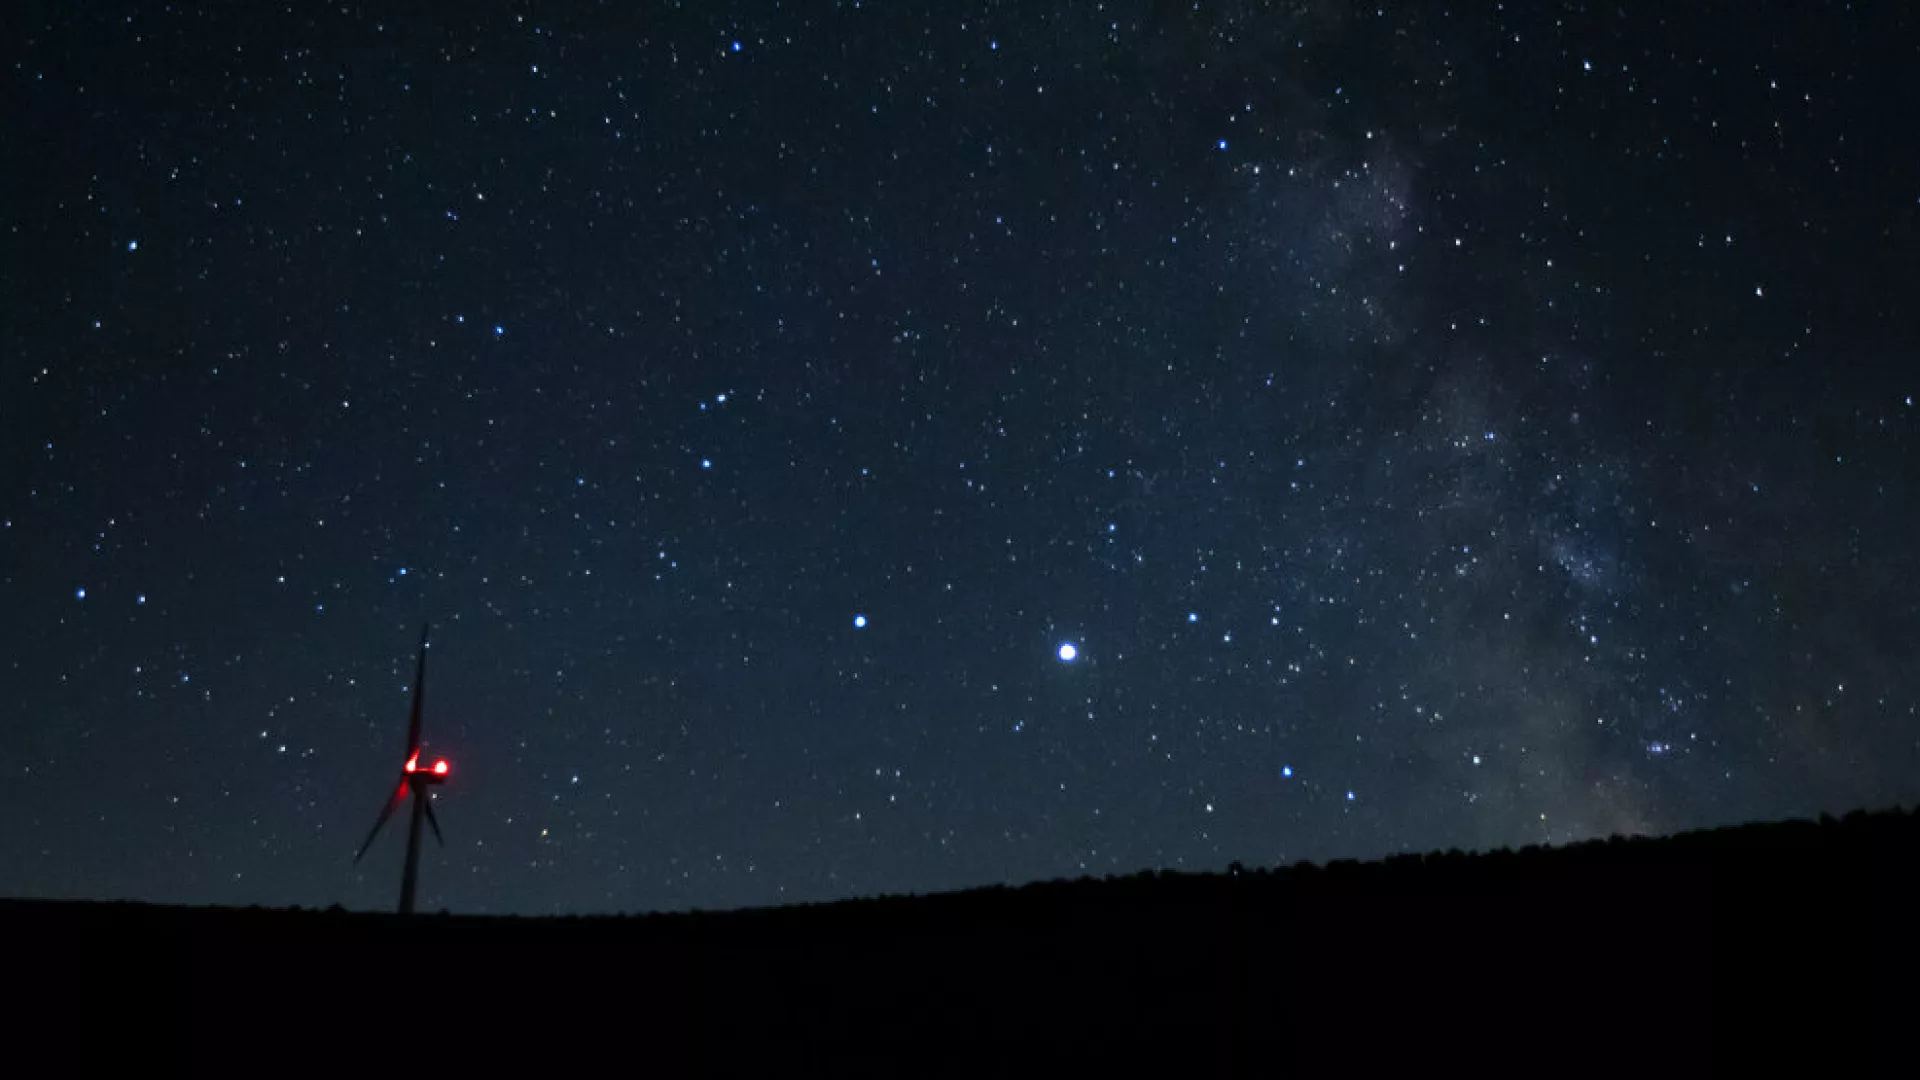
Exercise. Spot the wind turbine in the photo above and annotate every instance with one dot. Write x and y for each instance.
(417, 779)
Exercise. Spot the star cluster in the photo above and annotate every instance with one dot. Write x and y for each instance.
(879, 447)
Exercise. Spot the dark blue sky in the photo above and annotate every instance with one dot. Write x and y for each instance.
(1431, 427)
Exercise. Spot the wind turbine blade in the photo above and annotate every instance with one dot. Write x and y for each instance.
(399, 796)
(419, 690)
(435, 822)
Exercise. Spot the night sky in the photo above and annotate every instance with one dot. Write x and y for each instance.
(887, 447)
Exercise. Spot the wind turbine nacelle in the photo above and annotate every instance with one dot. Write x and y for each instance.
(436, 773)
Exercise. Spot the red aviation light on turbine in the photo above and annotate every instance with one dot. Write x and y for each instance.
(440, 767)
(413, 763)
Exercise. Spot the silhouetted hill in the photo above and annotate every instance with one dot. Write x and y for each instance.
(1634, 957)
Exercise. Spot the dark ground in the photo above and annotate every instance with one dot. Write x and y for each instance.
(1782, 946)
